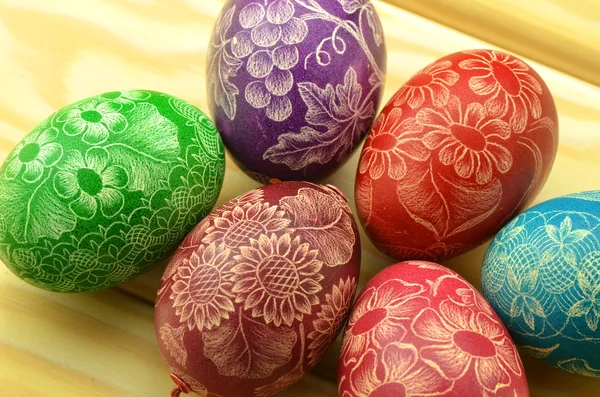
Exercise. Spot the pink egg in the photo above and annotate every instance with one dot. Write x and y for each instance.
(456, 153)
(258, 291)
(420, 329)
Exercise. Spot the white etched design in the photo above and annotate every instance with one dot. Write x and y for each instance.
(510, 84)
(223, 66)
(278, 278)
(378, 315)
(172, 339)
(385, 152)
(200, 293)
(36, 152)
(248, 348)
(460, 339)
(473, 143)
(91, 182)
(339, 110)
(325, 223)
(403, 374)
(267, 44)
(433, 80)
(242, 223)
(331, 318)
(95, 120)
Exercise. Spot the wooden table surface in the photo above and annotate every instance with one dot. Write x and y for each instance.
(54, 52)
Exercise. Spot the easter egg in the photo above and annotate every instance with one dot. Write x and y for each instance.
(294, 85)
(104, 187)
(420, 329)
(542, 275)
(457, 152)
(258, 291)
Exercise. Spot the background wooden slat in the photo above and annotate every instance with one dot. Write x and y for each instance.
(94, 344)
(53, 52)
(563, 34)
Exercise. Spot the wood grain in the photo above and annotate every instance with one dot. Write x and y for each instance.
(93, 344)
(562, 34)
(53, 52)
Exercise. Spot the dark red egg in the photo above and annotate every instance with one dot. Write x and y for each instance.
(258, 291)
(459, 150)
(419, 329)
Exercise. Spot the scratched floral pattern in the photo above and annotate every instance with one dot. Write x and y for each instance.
(450, 144)
(104, 187)
(258, 291)
(447, 341)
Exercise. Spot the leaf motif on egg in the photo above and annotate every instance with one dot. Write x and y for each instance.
(115, 163)
(457, 125)
(223, 66)
(541, 275)
(327, 226)
(253, 350)
(260, 50)
(260, 289)
(336, 109)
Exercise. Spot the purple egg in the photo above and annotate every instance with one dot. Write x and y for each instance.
(294, 85)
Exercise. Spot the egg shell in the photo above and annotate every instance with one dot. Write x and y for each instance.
(259, 290)
(457, 152)
(420, 329)
(104, 187)
(542, 275)
(294, 85)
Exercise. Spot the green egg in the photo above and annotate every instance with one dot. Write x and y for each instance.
(101, 189)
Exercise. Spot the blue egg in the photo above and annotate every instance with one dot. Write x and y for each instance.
(542, 276)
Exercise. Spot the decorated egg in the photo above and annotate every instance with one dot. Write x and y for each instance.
(101, 189)
(258, 291)
(419, 329)
(294, 85)
(542, 275)
(460, 149)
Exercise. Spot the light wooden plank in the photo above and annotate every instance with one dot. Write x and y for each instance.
(95, 344)
(562, 34)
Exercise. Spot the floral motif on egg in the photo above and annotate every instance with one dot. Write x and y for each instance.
(434, 79)
(448, 340)
(107, 176)
(507, 79)
(463, 126)
(331, 317)
(461, 339)
(379, 315)
(255, 293)
(37, 151)
(244, 222)
(277, 278)
(201, 296)
(403, 374)
(94, 120)
(468, 140)
(385, 153)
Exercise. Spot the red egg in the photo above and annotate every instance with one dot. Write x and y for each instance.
(419, 329)
(458, 151)
(258, 291)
